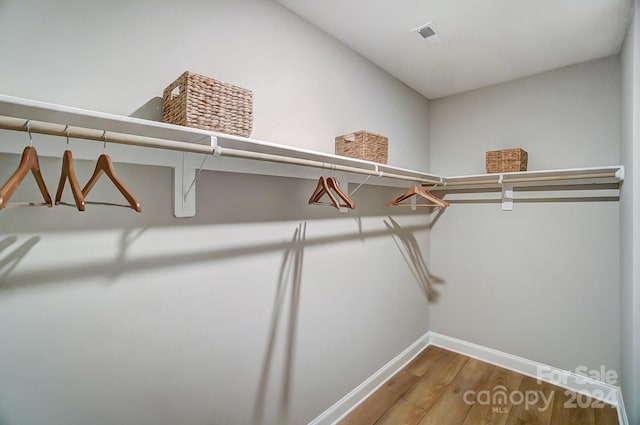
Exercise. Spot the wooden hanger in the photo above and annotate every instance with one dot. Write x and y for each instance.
(68, 172)
(419, 191)
(104, 165)
(333, 184)
(28, 162)
(321, 189)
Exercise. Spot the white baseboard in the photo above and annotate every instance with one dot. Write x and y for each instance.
(347, 403)
(562, 378)
(566, 379)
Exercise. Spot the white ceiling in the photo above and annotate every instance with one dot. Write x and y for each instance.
(484, 41)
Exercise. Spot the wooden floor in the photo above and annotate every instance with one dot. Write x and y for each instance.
(445, 388)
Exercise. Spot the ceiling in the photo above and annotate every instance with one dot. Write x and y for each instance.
(484, 42)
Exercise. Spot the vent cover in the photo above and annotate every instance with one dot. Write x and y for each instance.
(428, 32)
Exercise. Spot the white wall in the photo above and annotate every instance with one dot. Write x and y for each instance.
(541, 281)
(629, 221)
(111, 317)
(115, 56)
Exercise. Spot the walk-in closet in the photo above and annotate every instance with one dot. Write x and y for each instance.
(285, 212)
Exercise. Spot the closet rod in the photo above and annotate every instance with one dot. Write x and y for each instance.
(235, 153)
(17, 124)
(533, 179)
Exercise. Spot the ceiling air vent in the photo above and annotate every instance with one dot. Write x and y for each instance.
(428, 32)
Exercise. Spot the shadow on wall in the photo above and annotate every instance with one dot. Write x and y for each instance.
(289, 280)
(127, 238)
(122, 265)
(12, 259)
(151, 110)
(289, 286)
(408, 246)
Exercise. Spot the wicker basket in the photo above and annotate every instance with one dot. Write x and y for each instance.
(508, 160)
(194, 100)
(363, 145)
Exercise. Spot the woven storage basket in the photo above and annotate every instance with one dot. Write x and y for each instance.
(363, 145)
(194, 100)
(508, 160)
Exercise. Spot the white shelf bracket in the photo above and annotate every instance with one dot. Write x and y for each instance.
(507, 196)
(185, 175)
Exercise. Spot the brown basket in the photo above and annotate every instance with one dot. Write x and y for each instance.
(194, 100)
(363, 145)
(508, 160)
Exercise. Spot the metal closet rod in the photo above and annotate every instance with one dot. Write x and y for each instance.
(17, 124)
(532, 179)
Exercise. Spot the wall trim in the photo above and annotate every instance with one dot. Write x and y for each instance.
(349, 402)
(562, 378)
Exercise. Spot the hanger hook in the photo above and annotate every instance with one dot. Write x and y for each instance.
(322, 170)
(29, 131)
(104, 136)
(66, 130)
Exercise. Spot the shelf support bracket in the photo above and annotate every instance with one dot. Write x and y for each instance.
(507, 197)
(184, 205)
(185, 173)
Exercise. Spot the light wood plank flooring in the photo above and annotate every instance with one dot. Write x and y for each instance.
(440, 387)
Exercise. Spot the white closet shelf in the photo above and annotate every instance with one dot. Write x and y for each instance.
(50, 118)
(597, 182)
(569, 176)
(234, 154)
